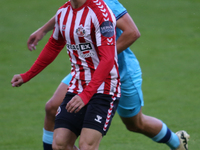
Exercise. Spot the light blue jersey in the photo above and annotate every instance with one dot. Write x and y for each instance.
(126, 57)
(130, 72)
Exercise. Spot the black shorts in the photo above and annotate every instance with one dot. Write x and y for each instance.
(97, 114)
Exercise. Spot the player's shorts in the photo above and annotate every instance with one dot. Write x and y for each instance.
(131, 99)
(97, 114)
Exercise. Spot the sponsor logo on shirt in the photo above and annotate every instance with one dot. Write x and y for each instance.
(84, 49)
(72, 46)
(86, 54)
(85, 46)
(81, 47)
(107, 29)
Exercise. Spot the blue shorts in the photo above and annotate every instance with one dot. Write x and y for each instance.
(67, 79)
(131, 99)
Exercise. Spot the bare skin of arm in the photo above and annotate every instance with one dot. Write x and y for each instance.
(130, 32)
(36, 36)
(125, 23)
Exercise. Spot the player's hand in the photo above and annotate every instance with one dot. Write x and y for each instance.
(75, 104)
(17, 80)
(34, 38)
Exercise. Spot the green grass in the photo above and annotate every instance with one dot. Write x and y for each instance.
(168, 51)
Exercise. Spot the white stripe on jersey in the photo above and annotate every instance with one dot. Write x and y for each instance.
(97, 30)
(56, 29)
(77, 23)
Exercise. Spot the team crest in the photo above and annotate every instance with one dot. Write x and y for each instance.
(63, 28)
(80, 31)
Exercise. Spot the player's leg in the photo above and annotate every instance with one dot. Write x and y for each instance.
(152, 128)
(131, 114)
(51, 109)
(64, 139)
(89, 139)
(68, 126)
(100, 111)
(141, 123)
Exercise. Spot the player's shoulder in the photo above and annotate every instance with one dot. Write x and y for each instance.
(98, 6)
(65, 5)
(62, 8)
(101, 10)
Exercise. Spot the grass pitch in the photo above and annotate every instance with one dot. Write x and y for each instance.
(168, 51)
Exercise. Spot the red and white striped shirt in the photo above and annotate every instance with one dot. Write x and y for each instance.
(89, 35)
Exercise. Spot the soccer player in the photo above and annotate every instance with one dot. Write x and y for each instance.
(87, 28)
(131, 101)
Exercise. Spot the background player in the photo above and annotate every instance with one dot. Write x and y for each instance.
(131, 101)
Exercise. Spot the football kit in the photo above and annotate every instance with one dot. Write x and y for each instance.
(131, 98)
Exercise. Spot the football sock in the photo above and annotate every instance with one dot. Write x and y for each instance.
(47, 139)
(168, 137)
(47, 146)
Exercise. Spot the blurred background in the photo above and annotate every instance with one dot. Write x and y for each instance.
(168, 51)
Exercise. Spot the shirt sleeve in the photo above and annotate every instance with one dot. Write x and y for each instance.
(47, 55)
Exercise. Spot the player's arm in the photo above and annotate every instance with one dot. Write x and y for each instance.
(36, 36)
(130, 32)
(47, 55)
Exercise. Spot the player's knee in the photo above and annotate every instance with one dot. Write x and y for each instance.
(136, 125)
(86, 146)
(82, 145)
(58, 146)
(50, 108)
